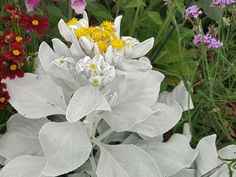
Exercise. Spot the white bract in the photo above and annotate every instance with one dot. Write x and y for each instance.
(99, 90)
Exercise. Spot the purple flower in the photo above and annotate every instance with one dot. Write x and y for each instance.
(31, 4)
(209, 40)
(78, 5)
(192, 12)
(223, 3)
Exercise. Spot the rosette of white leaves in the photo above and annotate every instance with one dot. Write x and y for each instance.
(116, 87)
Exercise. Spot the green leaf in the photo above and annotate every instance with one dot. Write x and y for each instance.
(135, 3)
(99, 11)
(155, 17)
(55, 11)
(212, 12)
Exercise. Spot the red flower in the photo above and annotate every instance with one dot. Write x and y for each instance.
(16, 53)
(4, 95)
(35, 23)
(9, 37)
(11, 69)
(12, 15)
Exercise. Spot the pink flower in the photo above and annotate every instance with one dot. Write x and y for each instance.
(31, 4)
(78, 5)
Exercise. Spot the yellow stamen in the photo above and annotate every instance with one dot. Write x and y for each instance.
(118, 43)
(13, 67)
(18, 38)
(107, 25)
(35, 22)
(73, 21)
(94, 82)
(97, 35)
(2, 100)
(102, 46)
(81, 32)
(16, 52)
(93, 67)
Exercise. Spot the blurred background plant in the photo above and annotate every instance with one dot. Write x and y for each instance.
(209, 73)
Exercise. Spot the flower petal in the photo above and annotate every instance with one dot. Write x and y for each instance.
(172, 156)
(125, 161)
(84, 101)
(24, 166)
(66, 146)
(21, 137)
(36, 96)
(186, 173)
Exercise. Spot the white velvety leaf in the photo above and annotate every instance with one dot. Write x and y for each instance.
(36, 96)
(60, 48)
(228, 153)
(172, 156)
(84, 101)
(187, 132)
(21, 137)
(179, 94)
(162, 121)
(131, 65)
(186, 173)
(125, 161)
(64, 30)
(141, 49)
(117, 23)
(66, 146)
(207, 155)
(75, 48)
(46, 56)
(24, 166)
(136, 94)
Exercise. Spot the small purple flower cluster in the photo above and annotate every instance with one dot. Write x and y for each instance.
(192, 12)
(223, 3)
(209, 40)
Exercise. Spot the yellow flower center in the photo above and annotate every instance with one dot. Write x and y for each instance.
(16, 52)
(2, 100)
(102, 46)
(35, 22)
(107, 25)
(118, 43)
(94, 82)
(93, 67)
(73, 21)
(13, 67)
(81, 32)
(18, 39)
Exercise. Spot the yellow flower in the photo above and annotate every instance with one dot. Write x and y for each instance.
(73, 21)
(102, 46)
(81, 32)
(118, 43)
(107, 25)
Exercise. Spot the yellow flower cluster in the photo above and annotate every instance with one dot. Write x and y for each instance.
(103, 35)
